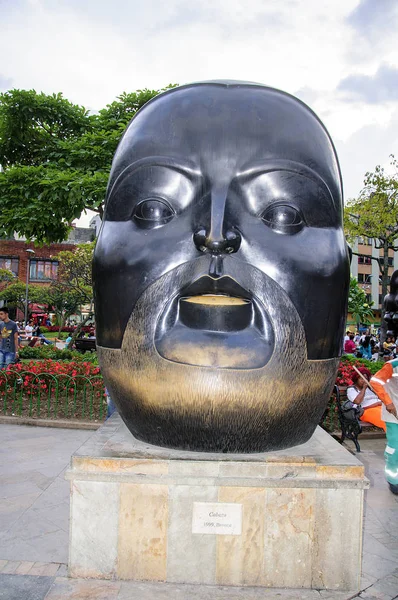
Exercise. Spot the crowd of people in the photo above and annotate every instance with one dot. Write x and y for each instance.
(16, 334)
(368, 345)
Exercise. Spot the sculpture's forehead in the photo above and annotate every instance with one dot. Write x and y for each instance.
(222, 129)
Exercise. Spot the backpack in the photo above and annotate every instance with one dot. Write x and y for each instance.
(351, 412)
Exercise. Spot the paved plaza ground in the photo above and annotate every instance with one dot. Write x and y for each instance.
(34, 515)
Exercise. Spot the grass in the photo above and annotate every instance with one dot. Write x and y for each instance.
(51, 335)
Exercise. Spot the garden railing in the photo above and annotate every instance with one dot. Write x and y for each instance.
(52, 396)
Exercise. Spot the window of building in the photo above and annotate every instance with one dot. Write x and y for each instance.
(364, 260)
(43, 270)
(381, 298)
(390, 261)
(364, 278)
(12, 264)
(368, 298)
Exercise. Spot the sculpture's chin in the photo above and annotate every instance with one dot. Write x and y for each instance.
(218, 410)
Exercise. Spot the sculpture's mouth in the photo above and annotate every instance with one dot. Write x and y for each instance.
(215, 322)
(215, 312)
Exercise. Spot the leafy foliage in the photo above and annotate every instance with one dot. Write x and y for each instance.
(6, 276)
(31, 124)
(358, 305)
(374, 214)
(56, 159)
(52, 352)
(74, 271)
(74, 276)
(14, 294)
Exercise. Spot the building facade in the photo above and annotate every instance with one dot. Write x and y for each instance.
(366, 270)
(18, 255)
(34, 264)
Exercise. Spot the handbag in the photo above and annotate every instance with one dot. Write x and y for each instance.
(351, 412)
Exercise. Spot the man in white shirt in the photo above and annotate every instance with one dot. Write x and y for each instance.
(29, 330)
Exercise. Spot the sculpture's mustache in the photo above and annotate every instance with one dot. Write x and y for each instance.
(234, 278)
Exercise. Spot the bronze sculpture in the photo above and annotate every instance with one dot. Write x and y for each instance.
(389, 324)
(221, 270)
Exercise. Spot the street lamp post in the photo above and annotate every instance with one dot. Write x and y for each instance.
(27, 285)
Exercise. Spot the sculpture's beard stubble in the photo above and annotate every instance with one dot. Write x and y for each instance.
(223, 406)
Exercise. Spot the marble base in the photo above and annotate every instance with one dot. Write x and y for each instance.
(296, 514)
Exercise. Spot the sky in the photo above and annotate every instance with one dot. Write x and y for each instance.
(338, 56)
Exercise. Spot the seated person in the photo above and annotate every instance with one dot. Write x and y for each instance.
(350, 346)
(375, 355)
(365, 348)
(361, 395)
(389, 347)
(29, 330)
(38, 333)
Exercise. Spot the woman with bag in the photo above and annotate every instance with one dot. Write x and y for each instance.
(361, 395)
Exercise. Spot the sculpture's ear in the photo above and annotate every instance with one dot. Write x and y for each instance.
(349, 252)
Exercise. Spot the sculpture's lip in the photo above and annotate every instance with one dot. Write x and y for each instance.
(216, 300)
(210, 286)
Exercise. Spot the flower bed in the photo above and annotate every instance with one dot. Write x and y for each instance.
(346, 368)
(51, 389)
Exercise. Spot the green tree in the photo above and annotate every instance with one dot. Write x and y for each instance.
(74, 276)
(374, 214)
(56, 159)
(14, 295)
(6, 276)
(358, 305)
(63, 301)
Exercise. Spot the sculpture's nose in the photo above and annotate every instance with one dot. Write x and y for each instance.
(227, 243)
(218, 238)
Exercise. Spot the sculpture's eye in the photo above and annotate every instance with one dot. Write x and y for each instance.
(152, 213)
(283, 218)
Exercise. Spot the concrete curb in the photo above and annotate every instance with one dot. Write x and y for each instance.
(60, 423)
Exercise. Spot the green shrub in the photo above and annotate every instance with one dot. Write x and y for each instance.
(54, 353)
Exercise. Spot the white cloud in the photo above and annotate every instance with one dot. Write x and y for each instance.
(94, 50)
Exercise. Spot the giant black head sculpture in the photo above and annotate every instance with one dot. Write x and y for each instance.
(221, 270)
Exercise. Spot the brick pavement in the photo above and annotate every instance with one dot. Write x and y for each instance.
(34, 513)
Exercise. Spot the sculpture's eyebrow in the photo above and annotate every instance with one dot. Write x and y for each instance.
(263, 167)
(185, 167)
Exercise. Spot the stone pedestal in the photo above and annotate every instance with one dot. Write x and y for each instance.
(291, 518)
